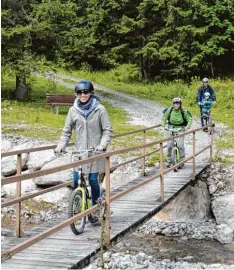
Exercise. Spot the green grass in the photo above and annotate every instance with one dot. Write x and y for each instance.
(225, 141)
(228, 160)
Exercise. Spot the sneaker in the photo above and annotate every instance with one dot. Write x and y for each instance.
(181, 166)
(95, 216)
(168, 164)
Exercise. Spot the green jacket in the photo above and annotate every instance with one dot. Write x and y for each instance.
(176, 118)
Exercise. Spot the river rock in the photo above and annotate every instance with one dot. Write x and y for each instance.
(223, 209)
(8, 164)
(55, 178)
(224, 234)
(26, 186)
(36, 160)
(6, 145)
(191, 205)
(59, 197)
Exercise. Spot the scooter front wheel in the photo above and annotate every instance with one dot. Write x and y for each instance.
(75, 207)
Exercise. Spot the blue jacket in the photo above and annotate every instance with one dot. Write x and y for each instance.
(206, 105)
(202, 90)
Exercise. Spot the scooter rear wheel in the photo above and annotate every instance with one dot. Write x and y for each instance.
(174, 159)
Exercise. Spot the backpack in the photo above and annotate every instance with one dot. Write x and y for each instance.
(182, 112)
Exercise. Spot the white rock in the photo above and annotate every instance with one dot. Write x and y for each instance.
(58, 196)
(36, 160)
(224, 234)
(55, 178)
(6, 145)
(223, 209)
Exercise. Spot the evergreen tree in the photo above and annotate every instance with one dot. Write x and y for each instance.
(16, 42)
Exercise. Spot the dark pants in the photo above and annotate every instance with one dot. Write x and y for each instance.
(94, 184)
(202, 121)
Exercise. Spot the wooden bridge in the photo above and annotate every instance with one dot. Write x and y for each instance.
(56, 247)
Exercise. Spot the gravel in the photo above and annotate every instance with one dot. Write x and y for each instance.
(126, 260)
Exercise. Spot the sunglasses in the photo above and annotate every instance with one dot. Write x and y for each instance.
(85, 92)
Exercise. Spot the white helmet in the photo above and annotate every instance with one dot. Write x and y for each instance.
(205, 80)
(207, 94)
(177, 100)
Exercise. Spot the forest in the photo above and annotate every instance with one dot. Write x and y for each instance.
(166, 40)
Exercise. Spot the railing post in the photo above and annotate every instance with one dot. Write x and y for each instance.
(194, 153)
(107, 232)
(143, 154)
(211, 142)
(161, 174)
(18, 195)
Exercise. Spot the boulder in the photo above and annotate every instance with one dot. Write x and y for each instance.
(8, 164)
(36, 160)
(224, 234)
(5, 145)
(223, 210)
(191, 205)
(26, 186)
(55, 178)
(58, 197)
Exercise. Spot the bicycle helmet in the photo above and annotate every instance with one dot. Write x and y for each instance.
(207, 94)
(84, 85)
(177, 100)
(205, 80)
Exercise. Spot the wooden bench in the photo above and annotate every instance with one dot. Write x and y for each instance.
(56, 100)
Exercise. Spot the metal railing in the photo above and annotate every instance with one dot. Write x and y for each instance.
(19, 177)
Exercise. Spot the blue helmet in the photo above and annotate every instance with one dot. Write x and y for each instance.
(84, 85)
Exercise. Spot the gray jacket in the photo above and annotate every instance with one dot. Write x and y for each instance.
(91, 132)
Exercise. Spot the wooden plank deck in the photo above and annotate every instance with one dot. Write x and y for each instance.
(64, 250)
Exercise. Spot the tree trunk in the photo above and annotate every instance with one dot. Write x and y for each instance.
(21, 91)
(212, 68)
(143, 75)
(140, 69)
